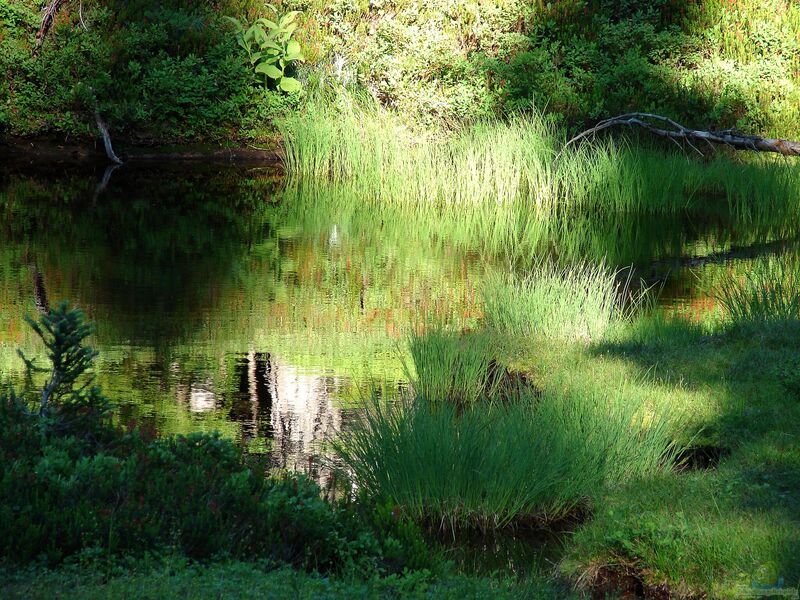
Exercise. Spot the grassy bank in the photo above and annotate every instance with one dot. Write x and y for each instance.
(729, 519)
(506, 183)
(722, 519)
(724, 525)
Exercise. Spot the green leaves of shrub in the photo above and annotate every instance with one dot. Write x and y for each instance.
(270, 48)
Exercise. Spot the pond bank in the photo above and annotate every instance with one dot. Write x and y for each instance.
(16, 151)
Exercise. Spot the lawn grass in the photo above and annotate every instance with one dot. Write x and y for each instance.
(711, 531)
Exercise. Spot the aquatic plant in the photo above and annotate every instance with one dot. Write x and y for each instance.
(489, 465)
(353, 140)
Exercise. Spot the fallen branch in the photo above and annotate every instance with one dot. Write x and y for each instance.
(106, 138)
(667, 128)
(47, 21)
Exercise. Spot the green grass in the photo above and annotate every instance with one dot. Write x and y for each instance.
(489, 465)
(579, 302)
(496, 164)
(449, 366)
(768, 289)
(711, 531)
(252, 580)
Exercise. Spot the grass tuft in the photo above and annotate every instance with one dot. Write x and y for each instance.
(572, 303)
(767, 291)
(452, 367)
(489, 465)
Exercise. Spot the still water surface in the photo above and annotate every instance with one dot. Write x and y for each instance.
(222, 305)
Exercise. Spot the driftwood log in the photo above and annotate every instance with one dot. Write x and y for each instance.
(667, 128)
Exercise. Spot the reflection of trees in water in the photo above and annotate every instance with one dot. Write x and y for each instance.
(153, 242)
(291, 409)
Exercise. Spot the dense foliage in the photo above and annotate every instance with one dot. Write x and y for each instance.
(154, 70)
(174, 70)
(72, 482)
(710, 62)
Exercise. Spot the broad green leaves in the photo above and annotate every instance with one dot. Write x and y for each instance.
(289, 85)
(271, 49)
(270, 70)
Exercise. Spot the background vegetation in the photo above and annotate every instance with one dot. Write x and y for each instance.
(173, 70)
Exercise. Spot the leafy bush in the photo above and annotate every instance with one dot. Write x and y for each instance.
(270, 48)
(708, 63)
(154, 71)
(439, 63)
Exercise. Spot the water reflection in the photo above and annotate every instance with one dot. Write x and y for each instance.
(278, 407)
(224, 303)
(216, 307)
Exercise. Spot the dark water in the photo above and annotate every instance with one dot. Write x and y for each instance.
(222, 304)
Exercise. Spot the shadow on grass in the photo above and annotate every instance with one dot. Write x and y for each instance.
(752, 370)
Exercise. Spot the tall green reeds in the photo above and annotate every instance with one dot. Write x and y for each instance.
(491, 465)
(452, 366)
(490, 163)
(510, 172)
(575, 303)
(769, 290)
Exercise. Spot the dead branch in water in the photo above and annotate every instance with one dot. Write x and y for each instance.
(667, 128)
(106, 138)
(47, 21)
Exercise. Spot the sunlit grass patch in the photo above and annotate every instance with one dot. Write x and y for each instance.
(494, 162)
(517, 161)
(579, 302)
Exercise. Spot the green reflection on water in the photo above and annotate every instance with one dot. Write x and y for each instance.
(226, 302)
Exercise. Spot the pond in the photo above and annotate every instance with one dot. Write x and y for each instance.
(223, 302)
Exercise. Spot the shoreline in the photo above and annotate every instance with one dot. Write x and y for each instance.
(18, 152)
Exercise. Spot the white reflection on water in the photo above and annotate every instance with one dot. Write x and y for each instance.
(292, 410)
